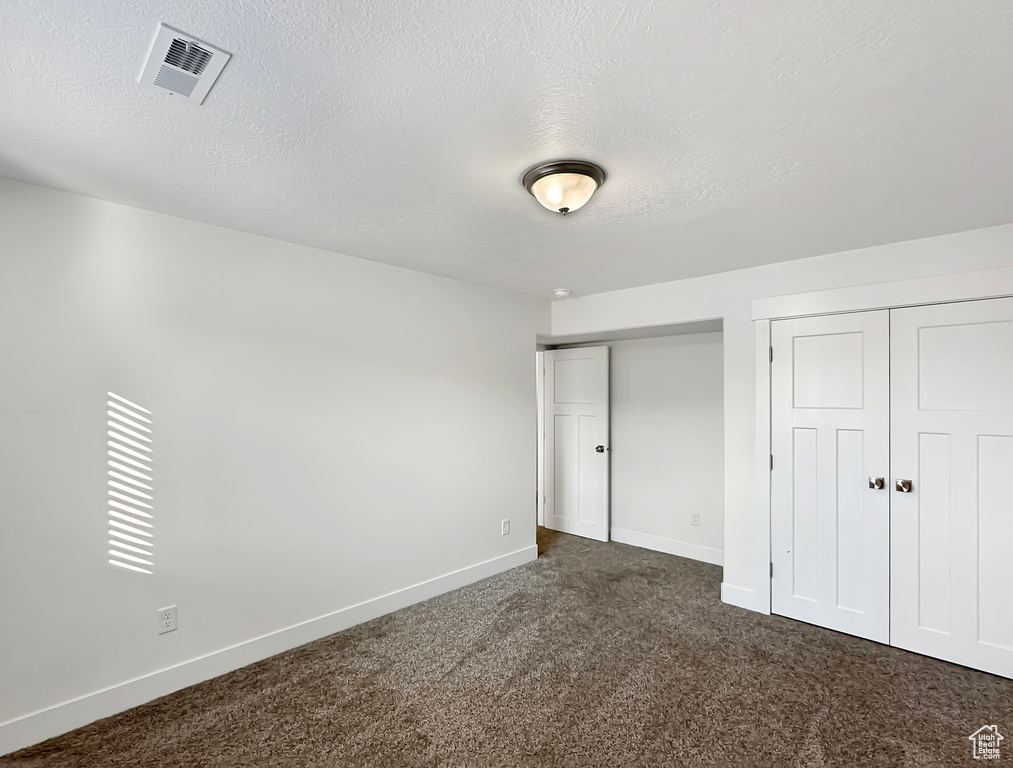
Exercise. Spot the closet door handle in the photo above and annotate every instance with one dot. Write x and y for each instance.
(877, 483)
(903, 486)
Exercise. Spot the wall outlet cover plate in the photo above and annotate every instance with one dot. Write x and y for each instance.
(167, 620)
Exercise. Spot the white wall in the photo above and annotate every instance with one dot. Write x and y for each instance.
(327, 431)
(729, 296)
(667, 444)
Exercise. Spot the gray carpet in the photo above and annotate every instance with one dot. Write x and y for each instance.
(595, 655)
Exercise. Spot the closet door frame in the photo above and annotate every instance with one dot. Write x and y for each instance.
(941, 289)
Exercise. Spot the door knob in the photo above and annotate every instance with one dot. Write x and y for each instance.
(877, 483)
(599, 449)
(904, 486)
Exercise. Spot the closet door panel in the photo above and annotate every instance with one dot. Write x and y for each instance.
(830, 433)
(952, 437)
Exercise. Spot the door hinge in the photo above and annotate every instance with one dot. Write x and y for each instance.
(771, 462)
(772, 570)
(771, 354)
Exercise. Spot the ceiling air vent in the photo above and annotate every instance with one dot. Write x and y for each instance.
(182, 65)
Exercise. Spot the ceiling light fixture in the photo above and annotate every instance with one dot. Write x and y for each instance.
(565, 185)
(562, 293)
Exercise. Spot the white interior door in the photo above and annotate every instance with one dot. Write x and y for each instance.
(577, 441)
(830, 399)
(540, 442)
(952, 537)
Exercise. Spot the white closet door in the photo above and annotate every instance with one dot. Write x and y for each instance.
(830, 433)
(952, 533)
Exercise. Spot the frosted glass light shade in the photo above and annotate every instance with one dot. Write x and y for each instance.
(564, 186)
(564, 192)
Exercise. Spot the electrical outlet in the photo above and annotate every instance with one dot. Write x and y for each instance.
(506, 527)
(167, 619)
(694, 518)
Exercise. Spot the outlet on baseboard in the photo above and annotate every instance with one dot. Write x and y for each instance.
(167, 619)
(506, 527)
(694, 518)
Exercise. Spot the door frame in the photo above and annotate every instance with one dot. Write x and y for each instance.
(939, 289)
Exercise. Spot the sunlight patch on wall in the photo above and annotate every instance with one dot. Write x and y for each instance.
(130, 477)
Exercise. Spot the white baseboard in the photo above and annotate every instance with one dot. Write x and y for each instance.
(669, 546)
(44, 724)
(744, 597)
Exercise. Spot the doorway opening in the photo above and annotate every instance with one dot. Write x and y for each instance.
(661, 448)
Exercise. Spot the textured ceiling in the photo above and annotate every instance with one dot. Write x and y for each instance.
(734, 132)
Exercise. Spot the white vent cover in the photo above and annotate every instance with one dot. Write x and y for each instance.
(181, 64)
